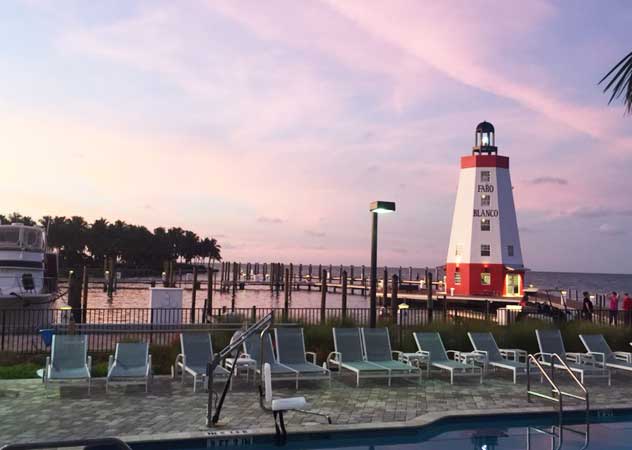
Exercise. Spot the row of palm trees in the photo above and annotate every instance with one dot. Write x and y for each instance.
(132, 246)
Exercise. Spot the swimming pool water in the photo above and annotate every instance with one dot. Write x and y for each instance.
(610, 431)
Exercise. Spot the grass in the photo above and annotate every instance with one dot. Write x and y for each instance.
(319, 339)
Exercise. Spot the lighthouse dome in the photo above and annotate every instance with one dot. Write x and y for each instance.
(485, 127)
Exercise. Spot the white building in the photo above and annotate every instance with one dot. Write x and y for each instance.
(484, 256)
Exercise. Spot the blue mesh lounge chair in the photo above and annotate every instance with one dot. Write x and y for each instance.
(255, 351)
(131, 361)
(550, 343)
(349, 355)
(68, 359)
(377, 346)
(598, 347)
(197, 349)
(431, 345)
(513, 360)
(290, 350)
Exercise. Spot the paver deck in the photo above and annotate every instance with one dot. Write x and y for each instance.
(28, 412)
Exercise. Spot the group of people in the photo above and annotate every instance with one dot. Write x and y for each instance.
(613, 308)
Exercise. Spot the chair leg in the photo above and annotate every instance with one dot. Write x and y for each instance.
(451, 377)
(194, 382)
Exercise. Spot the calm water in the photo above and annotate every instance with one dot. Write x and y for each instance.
(260, 297)
(492, 433)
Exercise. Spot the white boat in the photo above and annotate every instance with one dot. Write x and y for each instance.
(28, 275)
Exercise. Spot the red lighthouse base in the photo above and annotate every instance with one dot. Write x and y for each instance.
(492, 280)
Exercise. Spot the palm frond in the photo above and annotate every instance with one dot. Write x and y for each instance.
(619, 82)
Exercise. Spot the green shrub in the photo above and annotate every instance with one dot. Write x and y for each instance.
(19, 371)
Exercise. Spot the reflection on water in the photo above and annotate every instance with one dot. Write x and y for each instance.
(261, 298)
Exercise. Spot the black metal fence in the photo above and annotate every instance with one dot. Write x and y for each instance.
(23, 330)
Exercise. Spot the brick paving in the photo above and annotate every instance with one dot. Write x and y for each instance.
(28, 412)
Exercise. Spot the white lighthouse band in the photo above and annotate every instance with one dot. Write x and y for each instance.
(484, 255)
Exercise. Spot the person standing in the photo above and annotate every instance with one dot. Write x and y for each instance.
(627, 308)
(613, 308)
(587, 307)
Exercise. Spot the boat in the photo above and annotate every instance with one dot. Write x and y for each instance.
(28, 273)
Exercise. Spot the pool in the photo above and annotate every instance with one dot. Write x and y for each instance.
(608, 430)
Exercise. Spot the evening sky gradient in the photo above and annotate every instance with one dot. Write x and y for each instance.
(272, 125)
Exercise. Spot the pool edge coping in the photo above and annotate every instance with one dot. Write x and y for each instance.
(421, 421)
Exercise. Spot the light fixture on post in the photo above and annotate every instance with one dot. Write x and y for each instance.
(376, 208)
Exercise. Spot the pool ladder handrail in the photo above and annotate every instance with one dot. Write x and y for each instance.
(100, 442)
(557, 393)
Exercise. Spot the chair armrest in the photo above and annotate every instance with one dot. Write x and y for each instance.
(513, 354)
(312, 355)
(396, 354)
(597, 356)
(245, 356)
(423, 353)
(482, 353)
(455, 353)
(575, 357)
(623, 356)
(334, 358)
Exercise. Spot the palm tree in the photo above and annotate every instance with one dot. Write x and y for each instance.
(620, 82)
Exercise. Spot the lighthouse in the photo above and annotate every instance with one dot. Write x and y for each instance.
(484, 255)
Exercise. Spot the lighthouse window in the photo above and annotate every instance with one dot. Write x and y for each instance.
(485, 225)
(457, 276)
(486, 250)
(459, 250)
(510, 250)
(486, 277)
(485, 176)
(485, 200)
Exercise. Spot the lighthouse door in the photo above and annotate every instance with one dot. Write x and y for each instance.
(512, 283)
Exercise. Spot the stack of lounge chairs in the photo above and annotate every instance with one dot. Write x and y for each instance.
(367, 354)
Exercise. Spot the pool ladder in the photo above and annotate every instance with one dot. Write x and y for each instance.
(557, 394)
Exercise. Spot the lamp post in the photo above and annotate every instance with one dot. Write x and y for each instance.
(376, 208)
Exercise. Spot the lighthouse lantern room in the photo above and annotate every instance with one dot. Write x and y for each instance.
(484, 255)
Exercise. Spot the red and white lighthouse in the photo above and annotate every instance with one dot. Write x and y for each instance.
(484, 256)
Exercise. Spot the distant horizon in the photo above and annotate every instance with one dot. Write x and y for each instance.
(272, 127)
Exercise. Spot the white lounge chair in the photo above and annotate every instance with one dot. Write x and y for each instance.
(131, 361)
(598, 347)
(514, 360)
(377, 346)
(197, 350)
(349, 355)
(290, 350)
(431, 346)
(68, 360)
(551, 343)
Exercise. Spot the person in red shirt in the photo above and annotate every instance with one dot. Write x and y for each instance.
(613, 308)
(627, 307)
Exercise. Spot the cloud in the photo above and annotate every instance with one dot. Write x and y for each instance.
(265, 219)
(611, 230)
(550, 180)
(318, 234)
(591, 213)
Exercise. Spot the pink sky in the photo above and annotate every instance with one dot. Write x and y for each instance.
(272, 128)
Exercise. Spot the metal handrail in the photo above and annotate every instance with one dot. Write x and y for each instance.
(555, 389)
(551, 380)
(114, 442)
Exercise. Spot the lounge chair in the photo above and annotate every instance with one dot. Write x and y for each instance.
(597, 347)
(431, 345)
(551, 343)
(513, 360)
(265, 354)
(349, 355)
(68, 359)
(131, 361)
(197, 349)
(290, 350)
(377, 345)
